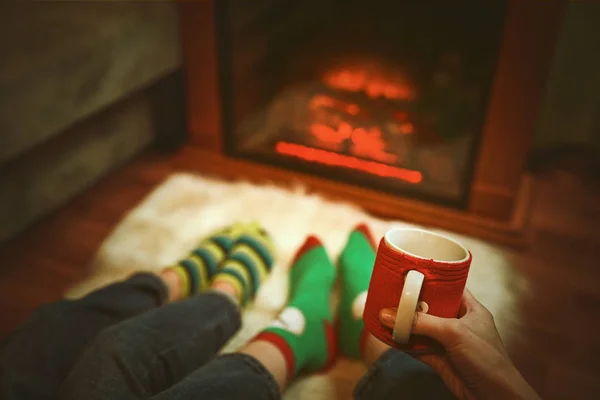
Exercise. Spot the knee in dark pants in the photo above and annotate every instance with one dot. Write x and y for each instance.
(114, 341)
(397, 373)
(51, 311)
(106, 362)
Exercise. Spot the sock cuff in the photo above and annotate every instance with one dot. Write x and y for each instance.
(183, 277)
(362, 342)
(234, 279)
(364, 229)
(196, 273)
(283, 346)
(309, 243)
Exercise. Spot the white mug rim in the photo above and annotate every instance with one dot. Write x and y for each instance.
(398, 249)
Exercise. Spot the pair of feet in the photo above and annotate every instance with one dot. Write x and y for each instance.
(304, 331)
(241, 257)
(238, 258)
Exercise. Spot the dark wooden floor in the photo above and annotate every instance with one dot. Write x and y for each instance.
(558, 345)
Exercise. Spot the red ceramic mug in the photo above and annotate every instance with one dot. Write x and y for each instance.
(415, 270)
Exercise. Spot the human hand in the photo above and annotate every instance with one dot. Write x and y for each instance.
(475, 364)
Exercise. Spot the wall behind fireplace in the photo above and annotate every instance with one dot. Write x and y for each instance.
(84, 86)
(571, 110)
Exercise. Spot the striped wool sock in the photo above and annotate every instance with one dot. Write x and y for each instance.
(303, 331)
(196, 271)
(355, 266)
(249, 262)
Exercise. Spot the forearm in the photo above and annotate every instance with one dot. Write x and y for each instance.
(519, 388)
(510, 384)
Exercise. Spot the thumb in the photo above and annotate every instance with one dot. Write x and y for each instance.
(436, 328)
(439, 329)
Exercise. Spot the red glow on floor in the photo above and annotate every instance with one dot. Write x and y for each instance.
(340, 160)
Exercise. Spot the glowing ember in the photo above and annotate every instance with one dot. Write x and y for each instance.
(345, 129)
(407, 128)
(328, 134)
(364, 143)
(340, 160)
(353, 109)
(321, 100)
(370, 144)
(373, 82)
(352, 81)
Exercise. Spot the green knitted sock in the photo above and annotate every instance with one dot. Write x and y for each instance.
(355, 266)
(303, 331)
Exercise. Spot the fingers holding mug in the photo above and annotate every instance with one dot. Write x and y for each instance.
(423, 324)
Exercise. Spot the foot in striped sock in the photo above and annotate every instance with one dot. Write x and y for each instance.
(249, 262)
(355, 266)
(196, 271)
(303, 331)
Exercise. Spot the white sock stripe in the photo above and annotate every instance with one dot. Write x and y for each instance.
(358, 305)
(292, 320)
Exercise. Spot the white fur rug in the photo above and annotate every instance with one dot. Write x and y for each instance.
(172, 219)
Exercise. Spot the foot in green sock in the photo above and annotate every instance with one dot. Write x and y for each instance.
(303, 331)
(355, 266)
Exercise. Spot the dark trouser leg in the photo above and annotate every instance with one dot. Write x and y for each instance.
(143, 356)
(228, 377)
(397, 375)
(37, 356)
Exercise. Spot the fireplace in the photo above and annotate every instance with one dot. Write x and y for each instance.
(390, 95)
(411, 109)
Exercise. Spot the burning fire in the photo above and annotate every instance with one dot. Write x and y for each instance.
(350, 131)
(371, 81)
(340, 160)
(363, 142)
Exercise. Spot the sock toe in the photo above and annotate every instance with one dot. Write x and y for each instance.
(366, 231)
(311, 242)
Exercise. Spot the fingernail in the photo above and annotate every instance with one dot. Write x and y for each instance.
(387, 317)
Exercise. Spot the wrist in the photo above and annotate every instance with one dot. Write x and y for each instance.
(516, 386)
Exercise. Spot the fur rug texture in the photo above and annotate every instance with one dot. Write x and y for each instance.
(184, 208)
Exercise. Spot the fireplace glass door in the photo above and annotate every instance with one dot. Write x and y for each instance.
(391, 95)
